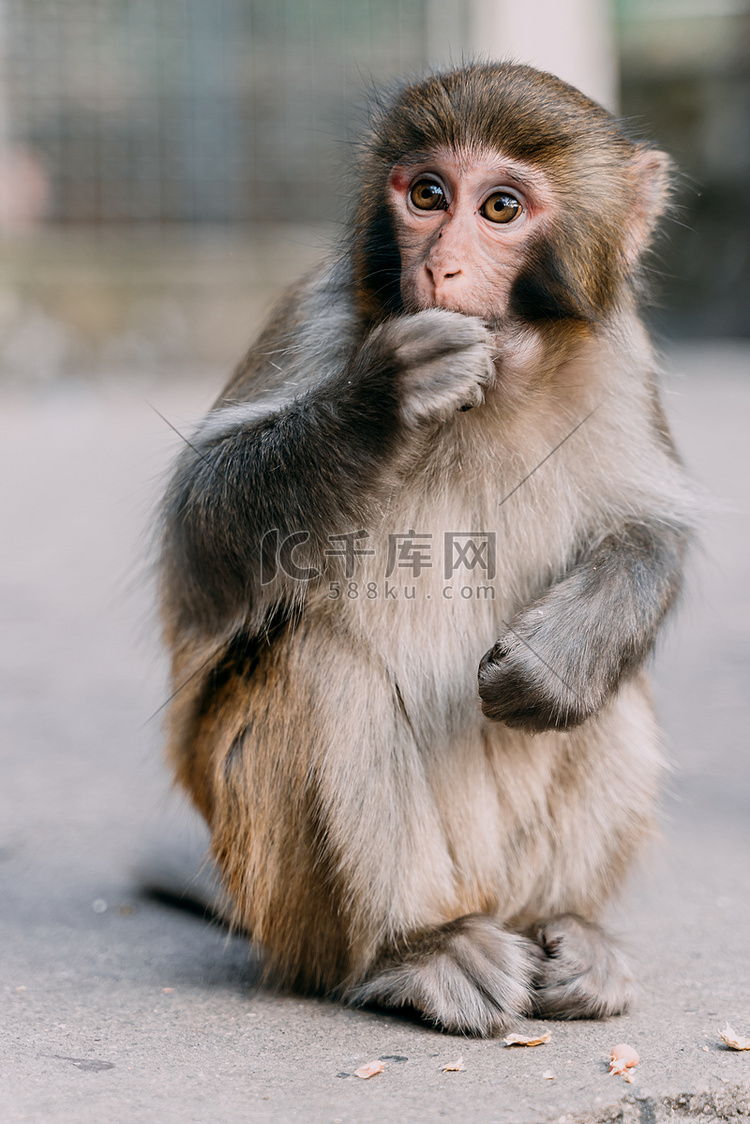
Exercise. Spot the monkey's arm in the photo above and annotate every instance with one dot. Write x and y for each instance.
(563, 656)
(306, 463)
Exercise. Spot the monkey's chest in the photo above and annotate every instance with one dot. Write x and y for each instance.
(430, 587)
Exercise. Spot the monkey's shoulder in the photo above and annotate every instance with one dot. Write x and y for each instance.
(310, 331)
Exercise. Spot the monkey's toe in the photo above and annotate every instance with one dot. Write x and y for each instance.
(582, 973)
(469, 976)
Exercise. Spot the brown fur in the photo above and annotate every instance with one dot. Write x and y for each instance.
(382, 838)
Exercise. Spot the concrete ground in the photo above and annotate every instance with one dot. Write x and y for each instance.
(120, 1009)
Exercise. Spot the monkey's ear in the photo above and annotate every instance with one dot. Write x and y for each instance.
(651, 176)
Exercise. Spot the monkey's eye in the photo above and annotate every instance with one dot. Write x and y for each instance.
(501, 207)
(428, 195)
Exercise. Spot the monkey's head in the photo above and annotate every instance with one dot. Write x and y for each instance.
(500, 191)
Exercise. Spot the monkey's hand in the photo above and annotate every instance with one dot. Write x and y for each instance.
(561, 658)
(442, 360)
(531, 679)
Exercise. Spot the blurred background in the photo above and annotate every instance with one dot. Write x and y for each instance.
(167, 165)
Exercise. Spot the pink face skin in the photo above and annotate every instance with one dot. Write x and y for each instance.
(455, 256)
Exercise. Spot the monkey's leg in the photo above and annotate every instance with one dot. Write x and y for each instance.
(583, 975)
(330, 842)
(469, 976)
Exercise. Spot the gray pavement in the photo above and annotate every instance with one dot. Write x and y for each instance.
(117, 1008)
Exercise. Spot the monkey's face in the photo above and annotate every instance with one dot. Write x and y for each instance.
(498, 191)
(464, 224)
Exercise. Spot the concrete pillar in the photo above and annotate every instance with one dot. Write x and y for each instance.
(572, 38)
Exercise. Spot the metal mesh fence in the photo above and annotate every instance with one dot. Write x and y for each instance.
(185, 110)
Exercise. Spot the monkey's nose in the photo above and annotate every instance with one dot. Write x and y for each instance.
(445, 283)
(438, 273)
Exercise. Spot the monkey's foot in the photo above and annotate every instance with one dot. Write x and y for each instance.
(583, 974)
(469, 976)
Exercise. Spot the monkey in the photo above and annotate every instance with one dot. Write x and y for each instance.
(413, 562)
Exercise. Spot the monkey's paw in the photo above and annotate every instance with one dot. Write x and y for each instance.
(444, 360)
(583, 974)
(534, 684)
(469, 976)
